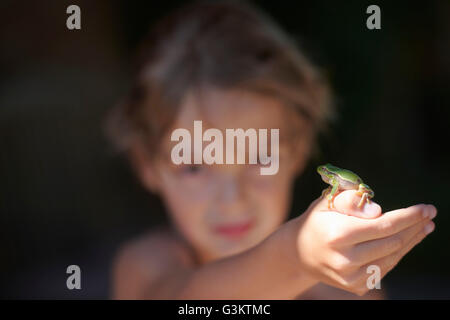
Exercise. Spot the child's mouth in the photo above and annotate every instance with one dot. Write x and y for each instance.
(235, 230)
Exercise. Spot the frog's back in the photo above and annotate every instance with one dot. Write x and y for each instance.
(348, 180)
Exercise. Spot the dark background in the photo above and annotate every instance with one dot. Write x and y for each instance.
(66, 198)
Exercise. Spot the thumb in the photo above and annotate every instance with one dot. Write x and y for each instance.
(347, 202)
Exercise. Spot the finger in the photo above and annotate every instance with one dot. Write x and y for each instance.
(347, 202)
(391, 222)
(387, 263)
(375, 249)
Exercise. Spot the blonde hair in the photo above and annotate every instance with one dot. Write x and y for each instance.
(220, 44)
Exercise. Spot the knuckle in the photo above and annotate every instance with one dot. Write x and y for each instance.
(345, 282)
(335, 235)
(416, 212)
(356, 287)
(419, 236)
(415, 239)
(392, 261)
(396, 244)
(341, 264)
(340, 233)
(362, 287)
(422, 208)
(386, 227)
(361, 291)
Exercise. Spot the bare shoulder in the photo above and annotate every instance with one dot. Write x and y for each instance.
(146, 258)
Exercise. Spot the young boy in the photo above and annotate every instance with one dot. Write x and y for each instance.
(228, 66)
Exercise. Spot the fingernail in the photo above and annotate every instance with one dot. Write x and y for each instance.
(432, 212)
(370, 209)
(429, 228)
(426, 212)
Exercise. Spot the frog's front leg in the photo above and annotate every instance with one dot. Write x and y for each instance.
(334, 189)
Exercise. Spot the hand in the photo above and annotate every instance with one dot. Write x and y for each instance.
(336, 247)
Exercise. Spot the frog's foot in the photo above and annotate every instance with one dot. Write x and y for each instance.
(365, 193)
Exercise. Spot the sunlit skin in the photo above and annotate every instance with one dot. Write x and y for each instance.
(230, 223)
(343, 179)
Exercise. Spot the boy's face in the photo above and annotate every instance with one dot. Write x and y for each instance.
(223, 209)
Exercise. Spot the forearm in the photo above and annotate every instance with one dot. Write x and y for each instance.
(270, 270)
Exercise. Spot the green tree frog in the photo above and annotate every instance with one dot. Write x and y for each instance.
(342, 179)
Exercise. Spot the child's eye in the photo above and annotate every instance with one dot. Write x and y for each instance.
(191, 169)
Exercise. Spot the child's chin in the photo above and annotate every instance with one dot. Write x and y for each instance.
(231, 251)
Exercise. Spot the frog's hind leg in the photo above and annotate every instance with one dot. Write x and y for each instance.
(365, 197)
(365, 193)
(325, 192)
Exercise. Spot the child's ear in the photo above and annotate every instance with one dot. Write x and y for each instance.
(144, 166)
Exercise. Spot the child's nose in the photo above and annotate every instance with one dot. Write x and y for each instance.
(230, 197)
